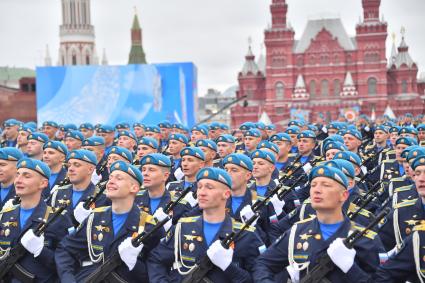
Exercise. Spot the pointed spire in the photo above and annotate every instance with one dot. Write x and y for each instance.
(250, 66)
(403, 56)
(137, 54)
(136, 25)
(348, 80)
(349, 89)
(393, 51)
(47, 59)
(300, 91)
(104, 59)
(300, 82)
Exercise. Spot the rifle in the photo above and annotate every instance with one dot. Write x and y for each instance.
(10, 263)
(92, 199)
(64, 182)
(325, 263)
(114, 261)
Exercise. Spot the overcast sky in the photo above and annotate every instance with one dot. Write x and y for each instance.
(213, 34)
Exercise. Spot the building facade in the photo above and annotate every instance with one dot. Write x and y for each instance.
(326, 71)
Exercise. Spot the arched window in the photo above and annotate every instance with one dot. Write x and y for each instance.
(325, 88)
(74, 59)
(312, 88)
(279, 90)
(371, 86)
(403, 86)
(337, 87)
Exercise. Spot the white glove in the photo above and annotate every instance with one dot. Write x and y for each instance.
(161, 215)
(392, 252)
(8, 203)
(294, 274)
(220, 256)
(277, 204)
(80, 213)
(246, 213)
(32, 243)
(190, 199)
(129, 253)
(342, 256)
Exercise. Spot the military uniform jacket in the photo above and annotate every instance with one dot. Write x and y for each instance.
(61, 176)
(43, 266)
(400, 223)
(405, 265)
(7, 143)
(10, 195)
(178, 186)
(143, 202)
(193, 248)
(308, 246)
(80, 253)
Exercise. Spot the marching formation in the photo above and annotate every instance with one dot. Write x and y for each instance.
(323, 202)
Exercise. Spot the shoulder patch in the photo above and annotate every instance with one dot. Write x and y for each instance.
(238, 225)
(149, 218)
(174, 197)
(420, 227)
(65, 187)
(398, 179)
(404, 188)
(306, 220)
(189, 219)
(101, 209)
(9, 208)
(369, 234)
(405, 203)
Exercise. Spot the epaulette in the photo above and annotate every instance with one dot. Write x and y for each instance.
(389, 161)
(306, 220)
(292, 155)
(65, 187)
(404, 188)
(398, 179)
(173, 182)
(364, 212)
(389, 151)
(9, 208)
(149, 218)
(140, 193)
(238, 226)
(189, 219)
(406, 203)
(420, 227)
(174, 197)
(369, 233)
(307, 201)
(101, 209)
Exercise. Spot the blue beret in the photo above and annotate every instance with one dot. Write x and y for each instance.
(408, 130)
(207, 143)
(268, 145)
(178, 137)
(57, 145)
(354, 133)
(97, 126)
(153, 128)
(381, 128)
(41, 137)
(409, 115)
(105, 129)
(253, 133)
(334, 125)
(418, 161)
(26, 128)
(51, 124)
(349, 156)
(334, 145)
(126, 133)
(395, 129)
(68, 127)
(295, 123)
(193, 151)
(263, 154)
(30, 124)
(293, 130)
(156, 159)
(83, 155)
(224, 126)
(137, 124)
(329, 172)
(336, 138)
(36, 165)
(352, 127)
(226, 138)
(270, 127)
(215, 174)
(414, 152)
(165, 124)
(149, 142)
(200, 128)
(406, 140)
(94, 141)
(312, 128)
(280, 137)
(87, 126)
(122, 126)
(131, 170)
(346, 167)
(75, 135)
(121, 151)
(214, 126)
(420, 127)
(10, 154)
(388, 124)
(307, 134)
(246, 126)
(260, 125)
(239, 159)
(11, 123)
(177, 126)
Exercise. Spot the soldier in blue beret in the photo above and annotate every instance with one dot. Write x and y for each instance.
(271, 130)
(50, 128)
(20, 221)
(106, 132)
(226, 144)
(10, 133)
(127, 140)
(119, 153)
(35, 144)
(353, 140)
(152, 131)
(54, 155)
(22, 139)
(306, 144)
(165, 127)
(176, 142)
(293, 132)
(193, 160)
(9, 157)
(110, 229)
(214, 130)
(198, 132)
(87, 129)
(421, 134)
(332, 148)
(145, 146)
(284, 158)
(251, 140)
(96, 144)
(74, 140)
(122, 126)
(209, 147)
(139, 130)
(393, 132)
(193, 238)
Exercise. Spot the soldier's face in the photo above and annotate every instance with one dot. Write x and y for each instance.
(126, 142)
(239, 175)
(99, 150)
(174, 147)
(251, 142)
(380, 136)
(262, 168)
(154, 176)
(398, 150)
(421, 135)
(327, 194)
(225, 148)
(212, 194)
(121, 185)
(50, 131)
(52, 157)
(7, 171)
(143, 150)
(351, 142)
(165, 132)
(72, 143)
(331, 153)
(197, 135)
(79, 171)
(34, 148)
(11, 132)
(270, 132)
(284, 147)
(209, 153)
(112, 157)
(191, 165)
(22, 138)
(305, 145)
(332, 132)
(393, 137)
(294, 139)
(29, 182)
(419, 179)
(109, 137)
(407, 169)
(86, 133)
(139, 131)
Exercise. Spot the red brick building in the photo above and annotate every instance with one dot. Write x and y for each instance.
(327, 71)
